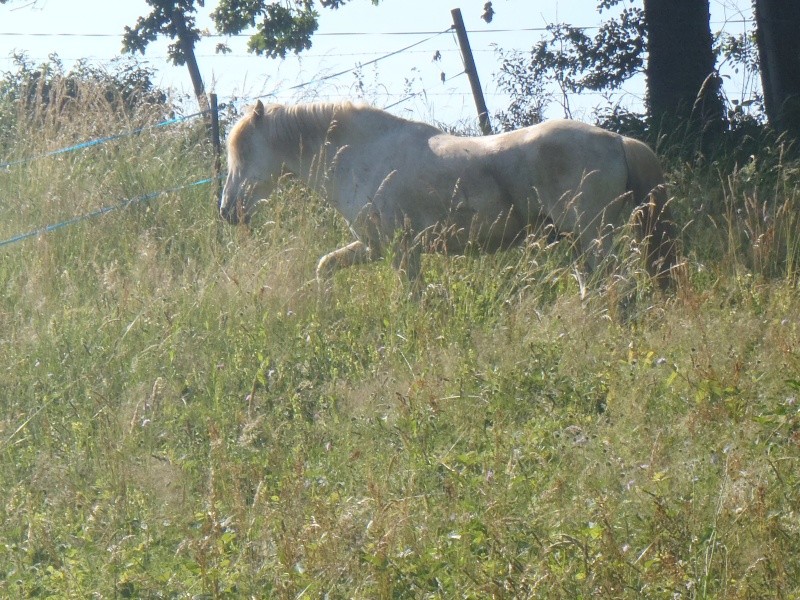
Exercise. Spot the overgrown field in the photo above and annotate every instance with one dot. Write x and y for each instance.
(184, 415)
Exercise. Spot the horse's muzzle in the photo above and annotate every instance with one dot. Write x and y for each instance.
(233, 212)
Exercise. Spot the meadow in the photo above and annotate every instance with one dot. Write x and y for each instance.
(184, 415)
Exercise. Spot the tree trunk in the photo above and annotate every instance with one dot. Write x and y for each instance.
(778, 37)
(683, 87)
(187, 49)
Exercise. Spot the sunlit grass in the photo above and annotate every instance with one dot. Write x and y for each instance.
(185, 415)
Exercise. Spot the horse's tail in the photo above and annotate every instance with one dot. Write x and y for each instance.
(652, 218)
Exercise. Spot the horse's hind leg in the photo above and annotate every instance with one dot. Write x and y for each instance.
(353, 254)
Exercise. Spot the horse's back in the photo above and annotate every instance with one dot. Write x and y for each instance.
(546, 164)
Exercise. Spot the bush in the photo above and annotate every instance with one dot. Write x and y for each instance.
(34, 95)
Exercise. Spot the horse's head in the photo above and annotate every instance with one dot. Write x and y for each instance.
(253, 168)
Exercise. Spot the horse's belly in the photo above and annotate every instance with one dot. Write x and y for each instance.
(464, 205)
(490, 231)
(474, 209)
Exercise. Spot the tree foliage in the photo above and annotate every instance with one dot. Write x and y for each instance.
(174, 19)
(277, 27)
(574, 61)
(280, 27)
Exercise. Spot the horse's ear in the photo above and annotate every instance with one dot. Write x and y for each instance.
(258, 109)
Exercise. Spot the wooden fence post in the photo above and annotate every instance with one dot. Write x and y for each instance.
(471, 71)
(216, 145)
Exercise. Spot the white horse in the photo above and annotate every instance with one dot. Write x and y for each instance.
(399, 180)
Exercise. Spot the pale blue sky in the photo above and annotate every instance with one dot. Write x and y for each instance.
(96, 34)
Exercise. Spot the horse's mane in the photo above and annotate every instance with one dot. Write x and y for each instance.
(304, 121)
(316, 122)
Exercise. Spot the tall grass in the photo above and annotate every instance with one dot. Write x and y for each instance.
(184, 415)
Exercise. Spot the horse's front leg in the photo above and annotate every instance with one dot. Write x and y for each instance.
(355, 253)
(408, 254)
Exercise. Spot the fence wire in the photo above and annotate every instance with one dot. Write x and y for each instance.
(4, 166)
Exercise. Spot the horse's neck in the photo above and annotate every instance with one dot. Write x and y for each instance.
(305, 135)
